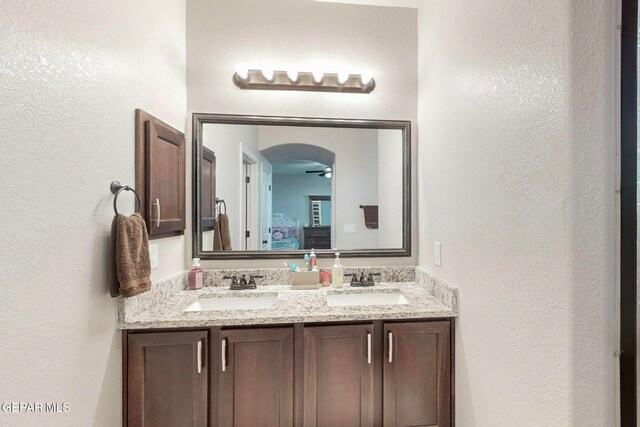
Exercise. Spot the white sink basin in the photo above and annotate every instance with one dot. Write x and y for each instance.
(344, 300)
(232, 303)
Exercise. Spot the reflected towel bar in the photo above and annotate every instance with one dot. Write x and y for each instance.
(218, 201)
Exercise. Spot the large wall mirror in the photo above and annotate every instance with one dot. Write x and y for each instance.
(274, 187)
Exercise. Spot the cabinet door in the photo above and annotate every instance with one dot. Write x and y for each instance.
(417, 374)
(338, 376)
(167, 379)
(165, 149)
(256, 377)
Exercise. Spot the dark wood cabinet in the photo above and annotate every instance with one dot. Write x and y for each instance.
(208, 189)
(417, 374)
(316, 237)
(338, 376)
(381, 373)
(167, 379)
(160, 175)
(255, 377)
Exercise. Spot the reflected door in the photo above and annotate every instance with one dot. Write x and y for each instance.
(267, 203)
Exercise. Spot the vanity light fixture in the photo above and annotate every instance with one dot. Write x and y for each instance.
(293, 75)
(242, 71)
(366, 77)
(316, 80)
(343, 76)
(318, 75)
(268, 74)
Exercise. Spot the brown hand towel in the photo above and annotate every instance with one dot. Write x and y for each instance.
(223, 233)
(217, 238)
(370, 216)
(129, 264)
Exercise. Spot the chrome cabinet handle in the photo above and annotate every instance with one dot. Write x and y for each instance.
(157, 203)
(369, 347)
(224, 354)
(199, 357)
(390, 347)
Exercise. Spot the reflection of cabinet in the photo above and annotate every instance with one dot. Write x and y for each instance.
(208, 189)
(316, 238)
(255, 377)
(160, 175)
(167, 379)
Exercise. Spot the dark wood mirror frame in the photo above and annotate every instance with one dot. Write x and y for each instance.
(199, 119)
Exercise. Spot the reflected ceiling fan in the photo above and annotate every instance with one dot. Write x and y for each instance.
(326, 172)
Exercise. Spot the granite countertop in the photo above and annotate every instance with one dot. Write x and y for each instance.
(291, 306)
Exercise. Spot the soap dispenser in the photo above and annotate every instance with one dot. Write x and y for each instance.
(313, 261)
(196, 275)
(337, 273)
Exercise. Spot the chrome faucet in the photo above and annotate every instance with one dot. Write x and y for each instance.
(239, 283)
(361, 280)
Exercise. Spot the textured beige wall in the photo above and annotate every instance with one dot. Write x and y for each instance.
(517, 181)
(71, 75)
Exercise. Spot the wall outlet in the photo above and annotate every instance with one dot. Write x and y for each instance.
(350, 228)
(437, 253)
(153, 255)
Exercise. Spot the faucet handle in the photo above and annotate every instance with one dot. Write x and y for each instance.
(234, 279)
(354, 278)
(252, 280)
(371, 276)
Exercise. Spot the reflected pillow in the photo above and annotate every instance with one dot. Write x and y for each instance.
(280, 233)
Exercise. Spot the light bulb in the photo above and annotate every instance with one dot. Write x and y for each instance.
(343, 76)
(242, 71)
(366, 77)
(268, 73)
(318, 75)
(293, 75)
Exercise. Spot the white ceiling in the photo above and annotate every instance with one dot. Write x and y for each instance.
(391, 3)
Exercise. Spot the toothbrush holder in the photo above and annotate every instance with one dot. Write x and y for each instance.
(305, 280)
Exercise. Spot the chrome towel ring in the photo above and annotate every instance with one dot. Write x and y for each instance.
(117, 188)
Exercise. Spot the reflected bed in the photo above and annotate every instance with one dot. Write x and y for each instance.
(285, 232)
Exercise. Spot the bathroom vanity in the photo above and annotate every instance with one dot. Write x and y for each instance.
(225, 355)
(275, 356)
